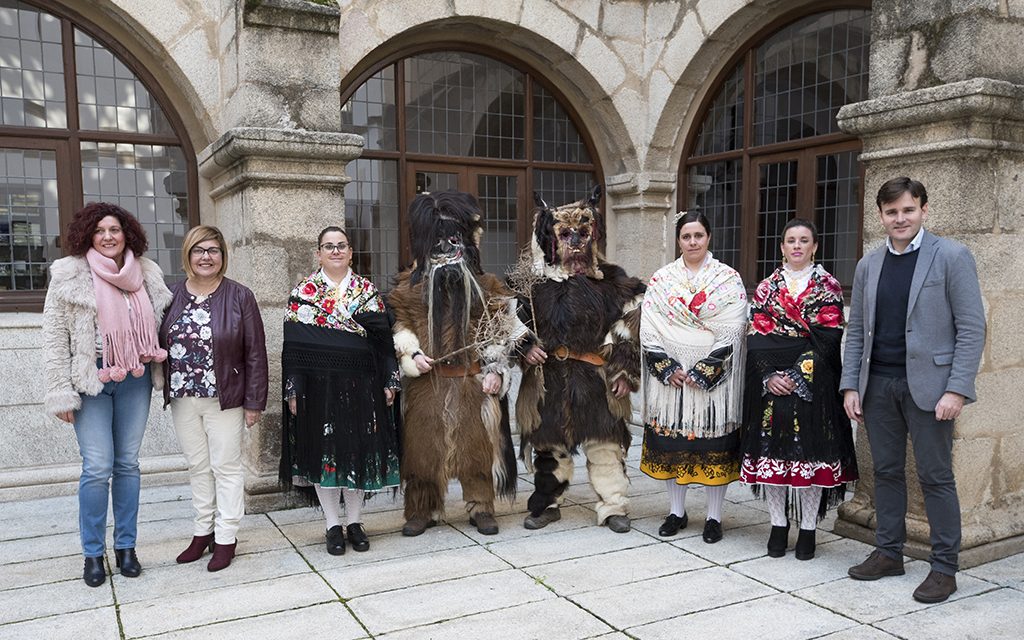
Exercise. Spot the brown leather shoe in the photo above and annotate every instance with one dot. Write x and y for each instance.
(937, 587)
(416, 526)
(878, 565)
(549, 515)
(484, 523)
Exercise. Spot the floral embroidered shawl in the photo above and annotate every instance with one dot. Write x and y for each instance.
(314, 302)
(698, 324)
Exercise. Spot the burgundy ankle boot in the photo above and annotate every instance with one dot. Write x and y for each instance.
(196, 549)
(222, 555)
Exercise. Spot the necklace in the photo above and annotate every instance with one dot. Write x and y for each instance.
(794, 278)
(202, 294)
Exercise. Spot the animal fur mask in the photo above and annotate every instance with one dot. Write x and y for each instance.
(444, 229)
(566, 237)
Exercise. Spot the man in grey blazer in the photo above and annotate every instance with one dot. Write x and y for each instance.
(913, 344)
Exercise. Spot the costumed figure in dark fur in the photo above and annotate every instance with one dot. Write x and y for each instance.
(455, 327)
(797, 435)
(576, 382)
(340, 375)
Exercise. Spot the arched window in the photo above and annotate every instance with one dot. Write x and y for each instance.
(768, 149)
(80, 121)
(468, 121)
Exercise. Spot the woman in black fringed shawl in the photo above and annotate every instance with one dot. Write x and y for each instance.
(340, 432)
(796, 433)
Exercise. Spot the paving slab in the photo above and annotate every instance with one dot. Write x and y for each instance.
(183, 611)
(331, 619)
(41, 547)
(38, 524)
(736, 545)
(312, 531)
(859, 632)
(156, 511)
(439, 538)
(94, 624)
(510, 526)
(399, 573)
(780, 617)
(615, 568)
(830, 562)
(169, 580)
(35, 572)
(647, 601)
(996, 615)
(426, 604)
(565, 545)
(1008, 572)
(57, 507)
(556, 619)
(878, 600)
(43, 600)
(160, 542)
(651, 524)
(165, 493)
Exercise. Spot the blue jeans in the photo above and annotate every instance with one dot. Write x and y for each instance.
(109, 427)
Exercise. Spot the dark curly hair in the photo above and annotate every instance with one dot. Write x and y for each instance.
(83, 224)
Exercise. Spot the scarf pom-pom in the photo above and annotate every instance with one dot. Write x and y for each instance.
(104, 375)
(137, 372)
(118, 374)
(160, 355)
(145, 358)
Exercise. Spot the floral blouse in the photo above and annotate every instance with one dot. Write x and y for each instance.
(190, 352)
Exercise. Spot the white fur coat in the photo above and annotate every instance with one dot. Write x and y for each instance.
(69, 331)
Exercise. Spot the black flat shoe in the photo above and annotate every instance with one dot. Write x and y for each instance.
(94, 574)
(128, 562)
(357, 537)
(777, 541)
(672, 525)
(712, 531)
(335, 541)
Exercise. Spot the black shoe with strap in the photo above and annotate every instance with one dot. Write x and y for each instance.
(672, 525)
(712, 531)
(335, 540)
(357, 537)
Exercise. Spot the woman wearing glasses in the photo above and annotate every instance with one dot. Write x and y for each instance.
(340, 379)
(216, 384)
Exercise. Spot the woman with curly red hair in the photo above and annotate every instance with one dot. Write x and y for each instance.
(797, 436)
(103, 306)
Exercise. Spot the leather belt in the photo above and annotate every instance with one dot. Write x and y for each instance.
(457, 370)
(563, 353)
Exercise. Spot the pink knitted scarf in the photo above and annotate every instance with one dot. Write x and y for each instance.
(125, 316)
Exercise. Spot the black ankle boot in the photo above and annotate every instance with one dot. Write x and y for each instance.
(777, 541)
(805, 544)
(128, 562)
(94, 574)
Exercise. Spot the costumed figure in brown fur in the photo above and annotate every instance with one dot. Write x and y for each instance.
(576, 382)
(454, 332)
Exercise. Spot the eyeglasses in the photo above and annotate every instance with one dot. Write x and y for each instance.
(199, 252)
(330, 247)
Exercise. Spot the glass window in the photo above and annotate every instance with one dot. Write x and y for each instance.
(462, 126)
(124, 144)
(799, 163)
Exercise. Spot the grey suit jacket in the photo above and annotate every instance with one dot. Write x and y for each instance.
(945, 322)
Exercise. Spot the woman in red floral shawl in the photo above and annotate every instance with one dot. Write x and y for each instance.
(796, 435)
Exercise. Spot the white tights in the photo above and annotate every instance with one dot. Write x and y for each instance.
(810, 499)
(677, 499)
(330, 502)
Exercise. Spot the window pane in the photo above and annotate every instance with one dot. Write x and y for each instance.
(837, 214)
(29, 219)
(371, 219)
(150, 181)
(776, 197)
(722, 129)
(499, 246)
(806, 72)
(31, 65)
(561, 187)
(464, 104)
(111, 98)
(371, 111)
(716, 189)
(555, 138)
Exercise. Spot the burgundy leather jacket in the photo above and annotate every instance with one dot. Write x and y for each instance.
(239, 344)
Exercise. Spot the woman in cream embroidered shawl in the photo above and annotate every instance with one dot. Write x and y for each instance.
(692, 331)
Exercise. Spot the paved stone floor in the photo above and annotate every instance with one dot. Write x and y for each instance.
(570, 580)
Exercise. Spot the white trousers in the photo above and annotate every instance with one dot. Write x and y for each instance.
(211, 440)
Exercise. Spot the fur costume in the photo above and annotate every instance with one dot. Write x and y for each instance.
(69, 331)
(452, 429)
(586, 315)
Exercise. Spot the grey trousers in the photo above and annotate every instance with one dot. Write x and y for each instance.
(889, 415)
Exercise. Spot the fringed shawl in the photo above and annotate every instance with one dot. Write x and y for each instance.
(688, 318)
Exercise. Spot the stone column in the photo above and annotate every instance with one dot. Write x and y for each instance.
(638, 203)
(947, 85)
(274, 189)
